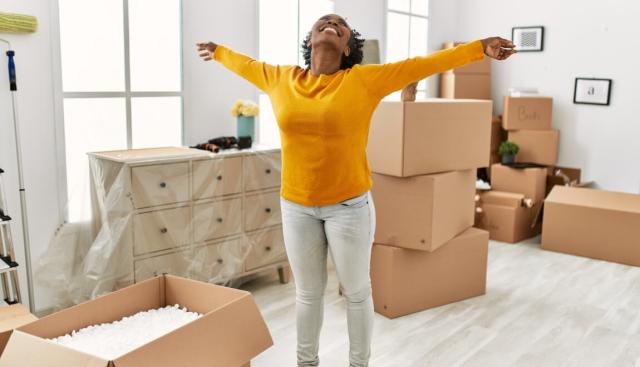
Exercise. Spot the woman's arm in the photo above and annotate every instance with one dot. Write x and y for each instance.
(260, 74)
(386, 78)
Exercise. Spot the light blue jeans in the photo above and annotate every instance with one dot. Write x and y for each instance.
(346, 231)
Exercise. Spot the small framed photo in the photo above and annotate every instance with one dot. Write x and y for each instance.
(592, 91)
(528, 39)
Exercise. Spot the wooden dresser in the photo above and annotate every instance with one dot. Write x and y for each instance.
(211, 217)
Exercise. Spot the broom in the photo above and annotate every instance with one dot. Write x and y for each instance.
(18, 23)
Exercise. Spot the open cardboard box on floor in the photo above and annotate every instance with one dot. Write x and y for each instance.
(11, 317)
(527, 113)
(593, 223)
(530, 182)
(407, 281)
(229, 334)
(429, 136)
(423, 212)
(506, 217)
(536, 146)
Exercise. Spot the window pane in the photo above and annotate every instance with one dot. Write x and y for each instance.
(420, 7)
(89, 125)
(154, 45)
(278, 32)
(397, 37)
(92, 45)
(269, 134)
(156, 122)
(310, 11)
(402, 5)
(419, 33)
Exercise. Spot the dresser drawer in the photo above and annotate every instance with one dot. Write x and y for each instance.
(262, 171)
(261, 210)
(266, 248)
(217, 177)
(160, 184)
(218, 219)
(161, 230)
(214, 262)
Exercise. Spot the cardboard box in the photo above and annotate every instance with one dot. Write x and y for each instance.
(593, 223)
(506, 218)
(423, 212)
(430, 136)
(479, 67)
(563, 176)
(465, 86)
(527, 113)
(407, 281)
(498, 134)
(230, 332)
(11, 317)
(536, 146)
(530, 182)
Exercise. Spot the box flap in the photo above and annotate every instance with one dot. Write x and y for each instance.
(503, 198)
(594, 198)
(199, 296)
(24, 350)
(229, 336)
(114, 306)
(12, 317)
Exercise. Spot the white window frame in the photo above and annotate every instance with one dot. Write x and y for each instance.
(411, 15)
(59, 96)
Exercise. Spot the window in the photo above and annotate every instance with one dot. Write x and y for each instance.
(281, 30)
(121, 82)
(407, 32)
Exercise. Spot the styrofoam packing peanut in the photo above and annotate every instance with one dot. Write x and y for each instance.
(112, 340)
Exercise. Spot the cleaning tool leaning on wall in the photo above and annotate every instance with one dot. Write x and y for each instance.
(17, 23)
(324, 112)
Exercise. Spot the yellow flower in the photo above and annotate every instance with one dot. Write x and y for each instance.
(244, 108)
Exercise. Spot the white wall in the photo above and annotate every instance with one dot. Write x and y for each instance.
(583, 38)
(209, 89)
(36, 113)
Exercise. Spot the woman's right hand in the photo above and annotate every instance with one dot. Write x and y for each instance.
(209, 48)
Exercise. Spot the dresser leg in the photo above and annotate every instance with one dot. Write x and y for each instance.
(285, 274)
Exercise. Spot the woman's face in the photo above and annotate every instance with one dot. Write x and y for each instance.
(331, 30)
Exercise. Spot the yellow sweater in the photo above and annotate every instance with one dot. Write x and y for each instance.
(324, 120)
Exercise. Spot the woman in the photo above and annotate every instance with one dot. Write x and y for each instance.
(323, 113)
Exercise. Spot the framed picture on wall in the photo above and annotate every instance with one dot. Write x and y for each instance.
(528, 39)
(592, 91)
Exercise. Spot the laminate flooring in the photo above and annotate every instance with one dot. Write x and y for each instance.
(541, 309)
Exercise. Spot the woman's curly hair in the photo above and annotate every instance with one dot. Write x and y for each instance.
(355, 46)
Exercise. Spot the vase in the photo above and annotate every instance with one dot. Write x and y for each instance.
(508, 159)
(247, 126)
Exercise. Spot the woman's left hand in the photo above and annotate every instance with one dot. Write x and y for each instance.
(498, 48)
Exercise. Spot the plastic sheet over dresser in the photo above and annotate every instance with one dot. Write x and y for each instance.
(185, 212)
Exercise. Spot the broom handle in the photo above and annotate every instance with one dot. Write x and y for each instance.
(13, 85)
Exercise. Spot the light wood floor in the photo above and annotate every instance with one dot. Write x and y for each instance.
(541, 309)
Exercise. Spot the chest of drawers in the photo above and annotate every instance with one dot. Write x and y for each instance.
(211, 217)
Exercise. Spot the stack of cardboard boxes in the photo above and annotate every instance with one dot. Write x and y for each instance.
(471, 81)
(509, 212)
(424, 156)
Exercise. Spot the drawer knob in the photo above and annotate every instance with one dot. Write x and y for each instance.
(268, 210)
(220, 261)
(268, 248)
(219, 178)
(267, 171)
(219, 220)
(163, 230)
(163, 184)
